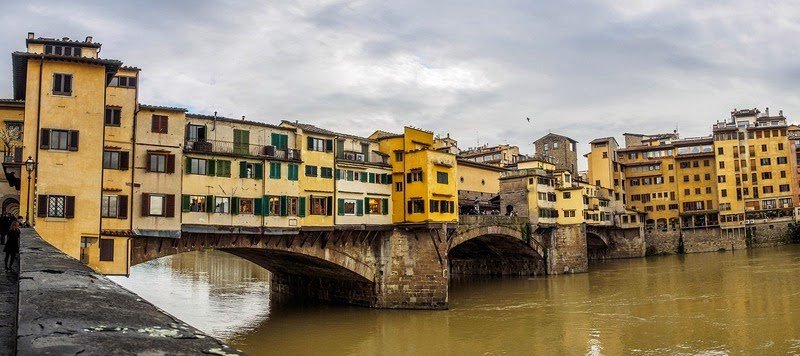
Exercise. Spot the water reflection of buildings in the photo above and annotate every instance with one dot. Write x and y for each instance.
(219, 269)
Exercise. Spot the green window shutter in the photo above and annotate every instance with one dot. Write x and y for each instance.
(293, 170)
(266, 205)
(259, 167)
(372, 177)
(211, 166)
(227, 168)
(242, 169)
(366, 205)
(301, 207)
(310, 142)
(385, 206)
(257, 206)
(235, 205)
(276, 140)
(363, 177)
(209, 203)
(328, 145)
(188, 165)
(275, 170)
(340, 207)
(283, 202)
(350, 175)
(359, 207)
(338, 173)
(186, 202)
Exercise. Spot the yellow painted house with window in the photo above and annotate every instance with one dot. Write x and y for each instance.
(424, 183)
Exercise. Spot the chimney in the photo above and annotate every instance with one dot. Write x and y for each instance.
(30, 35)
(242, 117)
(780, 113)
(65, 39)
(766, 112)
(88, 39)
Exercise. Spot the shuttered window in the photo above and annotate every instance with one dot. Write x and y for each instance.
(55, 139)
(55, 206)
(113, 116)
(106, 250)
(62, 84)
(158, 205)
(114, 206)
(116, 160)
(160, 124)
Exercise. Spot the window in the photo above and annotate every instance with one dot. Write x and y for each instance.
(56, 206)
(106, 250)
(398, 156)
(719, 150)
(195, 133)
(274, 205)
(781, 160)
(113, 116)
(320, 205)
(59, 140)
(720, 179)
(62, 84)
(783, 188)
(159, 124)
(247, 170)
(157, 205)
(241, 142)
(723, 192)
(108, 206)
(567, 195)
(374, 205)
(280, 141)
(441, 177)
(115, 160)
(783, 174)
(763, 147)
(605, 154)
(348, 207)
(766, 175)
(196, 166)
(326, 172)
(765, 162)
(197, 203)
(311, 171)
(767, 189)
(293, 171)
(123, 82)
(222, 205)
(398, 186)
(292, 206)
(318, 144)
(71, 51)
(416, 206)
(160, 163)
(414, 176)
(275, 170)
(245, 206)
(780, 146)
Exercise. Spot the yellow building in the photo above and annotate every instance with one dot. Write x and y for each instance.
(479, 182)
(425, 190)
(12, 113)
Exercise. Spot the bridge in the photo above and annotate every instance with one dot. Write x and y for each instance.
(404, 266)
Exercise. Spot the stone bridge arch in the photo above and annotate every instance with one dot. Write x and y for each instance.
(495, 245)
(335, 266)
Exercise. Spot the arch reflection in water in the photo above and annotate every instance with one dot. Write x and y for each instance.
(214, 291)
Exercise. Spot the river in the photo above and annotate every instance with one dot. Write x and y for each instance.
(743, 302)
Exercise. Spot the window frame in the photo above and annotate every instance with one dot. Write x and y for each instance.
(63, 87)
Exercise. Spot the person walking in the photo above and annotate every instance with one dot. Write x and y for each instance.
(5, 224)
(12, 246)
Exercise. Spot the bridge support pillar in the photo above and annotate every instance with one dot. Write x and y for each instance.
(566, 250)
(412, 271)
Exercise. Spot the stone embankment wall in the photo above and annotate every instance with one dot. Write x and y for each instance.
(709, 239)
(566, 249)
(768, 234)
(66, 308)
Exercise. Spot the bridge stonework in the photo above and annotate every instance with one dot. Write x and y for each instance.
(405, 266)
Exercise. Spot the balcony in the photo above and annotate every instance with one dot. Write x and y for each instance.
(238, 149)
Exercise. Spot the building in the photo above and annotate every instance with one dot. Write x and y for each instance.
(503, 155)
(479, 185)
(562, 149)
(425, 190)
(12, 112)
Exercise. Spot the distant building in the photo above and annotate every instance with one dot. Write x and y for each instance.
(503, 155)
(561, 148)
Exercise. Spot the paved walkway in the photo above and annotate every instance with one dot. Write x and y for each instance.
(8, 308)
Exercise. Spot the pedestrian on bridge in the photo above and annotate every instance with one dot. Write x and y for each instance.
(12, 246)
(5, 224)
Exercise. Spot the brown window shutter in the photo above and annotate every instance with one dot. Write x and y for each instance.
(169, 209)
(41, 210)
(122, 207)
(124, 158)
(145, 204)
(69, 209)
(106, 249)
(154, 124)
(164, 124)
(44, 140)
(147, 162)
(171, 164)
(73, 140)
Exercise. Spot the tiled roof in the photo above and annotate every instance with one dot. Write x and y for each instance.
(379, 134)
(12, 102)
(43, 40)
(20, 65)
(556, 135)
(163, 108)
(321, 131)
(237, 121)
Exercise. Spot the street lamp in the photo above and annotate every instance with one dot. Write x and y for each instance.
(30, 165)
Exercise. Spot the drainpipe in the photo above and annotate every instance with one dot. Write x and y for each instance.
(36, 152)
(335, 201)
(102, 170)
(132, 167)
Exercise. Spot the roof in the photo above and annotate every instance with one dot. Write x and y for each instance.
(135, 69)
(645, 148)
(692, 141)
(556, 136)
(63, 41)
(235, 121)
(602, 139)
(480, 165)
(20, 64)
(380, 134)
(162, 108)
(321, 131)
(12, 103)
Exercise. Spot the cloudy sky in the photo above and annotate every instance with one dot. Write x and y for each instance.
(583, 69)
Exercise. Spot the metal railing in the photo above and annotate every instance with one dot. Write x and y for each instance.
(234, 148)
